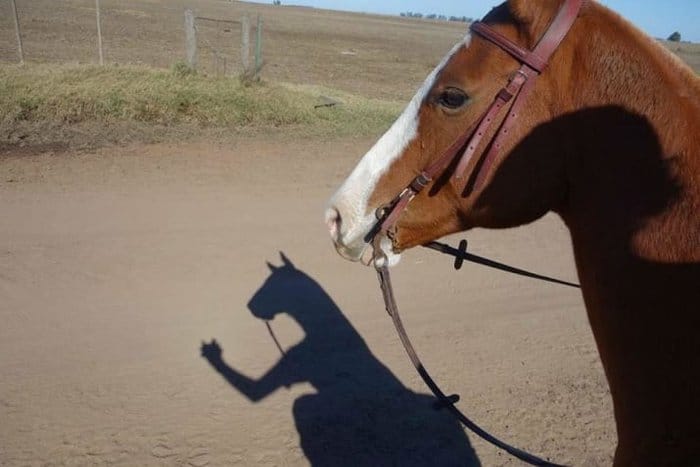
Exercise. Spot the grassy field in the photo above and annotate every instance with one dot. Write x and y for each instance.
(314, 53)
(78, 94)
(376, 56)
(324, 53)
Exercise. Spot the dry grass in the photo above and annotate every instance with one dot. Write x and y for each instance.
(688, 52)
(70, 95)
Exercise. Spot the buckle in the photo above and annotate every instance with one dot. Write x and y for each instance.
(517, 73)
(420, 182)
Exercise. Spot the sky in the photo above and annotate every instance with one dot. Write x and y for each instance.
(657, 18)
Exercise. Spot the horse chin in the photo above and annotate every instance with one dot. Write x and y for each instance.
(366, 255)
(351, 253)
(387, 257)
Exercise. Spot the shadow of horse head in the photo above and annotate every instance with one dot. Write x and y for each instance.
(288, 290)
(360, 414)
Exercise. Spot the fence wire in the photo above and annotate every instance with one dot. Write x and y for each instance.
(135, 32)
(379, 56)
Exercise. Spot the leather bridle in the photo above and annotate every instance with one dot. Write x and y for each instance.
(518, 88)
(463, 151)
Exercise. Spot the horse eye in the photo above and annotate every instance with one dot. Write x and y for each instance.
(453, 98)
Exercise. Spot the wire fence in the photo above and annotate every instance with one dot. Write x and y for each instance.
(383, 57)
(225, 45)
(138, 32)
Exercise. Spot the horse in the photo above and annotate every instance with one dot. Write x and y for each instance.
(609, 139)
(359, 413)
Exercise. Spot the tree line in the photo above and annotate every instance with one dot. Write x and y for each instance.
(411, 14)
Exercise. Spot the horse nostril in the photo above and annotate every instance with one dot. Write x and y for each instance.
(333, 221)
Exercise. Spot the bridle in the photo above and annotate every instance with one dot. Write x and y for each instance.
(463, 151)
(518, 88)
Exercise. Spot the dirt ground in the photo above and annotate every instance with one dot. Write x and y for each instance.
(135, 282)
(118, 264)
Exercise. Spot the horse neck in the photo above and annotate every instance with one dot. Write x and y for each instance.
(622, 65)
(637, 145)
(632, 208)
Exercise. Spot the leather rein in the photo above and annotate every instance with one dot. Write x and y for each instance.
(463, 151)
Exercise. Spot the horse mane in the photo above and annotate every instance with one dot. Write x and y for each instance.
(649, 94)
(680, 74)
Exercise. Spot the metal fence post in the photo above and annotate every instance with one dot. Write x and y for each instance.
(20, 49)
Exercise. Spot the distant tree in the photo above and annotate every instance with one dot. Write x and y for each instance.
(276, 2)
(461, 19)
(675, 37)
(442, 18)
(411, 14)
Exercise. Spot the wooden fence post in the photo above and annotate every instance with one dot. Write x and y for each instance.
(99, 32)
(20, 49)
(245, 45)
(258, 48)
(190, 39)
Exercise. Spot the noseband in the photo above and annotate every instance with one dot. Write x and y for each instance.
(463, 151)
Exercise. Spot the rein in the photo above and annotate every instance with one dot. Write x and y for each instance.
(463, 150)
(460, 254)
(444, 401)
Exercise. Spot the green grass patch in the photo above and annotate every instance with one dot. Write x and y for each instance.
(78, 94)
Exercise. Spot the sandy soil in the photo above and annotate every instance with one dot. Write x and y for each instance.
(118, 264)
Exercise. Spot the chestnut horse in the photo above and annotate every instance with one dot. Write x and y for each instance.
(610, 140)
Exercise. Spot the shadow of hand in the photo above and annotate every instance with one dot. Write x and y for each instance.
(212, 351)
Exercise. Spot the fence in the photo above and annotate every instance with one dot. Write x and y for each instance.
(379, 56)
(196, 40)
(211, 44)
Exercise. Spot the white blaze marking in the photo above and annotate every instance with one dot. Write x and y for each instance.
(352, 197)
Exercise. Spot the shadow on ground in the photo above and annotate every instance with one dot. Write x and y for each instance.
(362, 414)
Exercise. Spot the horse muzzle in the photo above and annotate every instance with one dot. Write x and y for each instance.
(358, 243)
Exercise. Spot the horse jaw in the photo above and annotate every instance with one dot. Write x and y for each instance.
(348, 215)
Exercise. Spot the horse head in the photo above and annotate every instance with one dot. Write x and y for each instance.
(451, 100)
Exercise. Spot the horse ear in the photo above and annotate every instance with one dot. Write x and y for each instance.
(287, 262)
(533, 15)
(272, 267)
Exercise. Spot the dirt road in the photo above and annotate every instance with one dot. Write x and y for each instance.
(117, 265)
